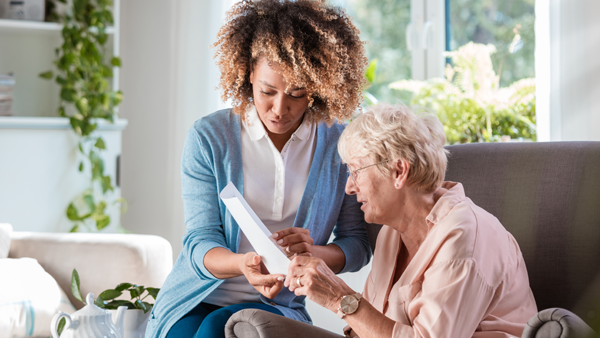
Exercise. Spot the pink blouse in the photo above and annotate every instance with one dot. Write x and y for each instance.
(468, 278)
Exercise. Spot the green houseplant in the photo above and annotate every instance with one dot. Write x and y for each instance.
(107, 299)
(83, 71)
(470, 102)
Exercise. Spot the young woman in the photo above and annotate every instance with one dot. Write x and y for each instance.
(293, 71)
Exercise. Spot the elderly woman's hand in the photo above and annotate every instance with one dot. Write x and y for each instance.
(294, 241)
(310, 276)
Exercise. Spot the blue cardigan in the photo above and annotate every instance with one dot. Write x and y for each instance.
(212, 157)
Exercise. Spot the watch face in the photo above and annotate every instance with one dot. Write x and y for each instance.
(349, 304)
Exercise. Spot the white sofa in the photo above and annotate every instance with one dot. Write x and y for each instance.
(102, 261)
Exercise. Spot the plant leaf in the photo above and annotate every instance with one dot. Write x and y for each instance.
(75, 289)
(148, 306)
(68, 94)
(99, 302)
(153, 292)
(106, 185)
(89, 200)
(76, 125)
(371, 69)
(80, 166)
(134, 293)
(123, 202)
(100, 143)
(117, 98)
(102, 222)
(110, 294)
(123, 286)
(140, 305)
(61, 325)
(72, 213)
(116, 303)
(75, 228)
(46, 75)
(115, 61)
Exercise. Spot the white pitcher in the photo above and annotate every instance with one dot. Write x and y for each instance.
(89, 322)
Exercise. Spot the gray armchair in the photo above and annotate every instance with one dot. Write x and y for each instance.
(548, 196)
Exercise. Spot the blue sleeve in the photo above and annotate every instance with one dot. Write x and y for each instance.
(351, 235)
(204, 229)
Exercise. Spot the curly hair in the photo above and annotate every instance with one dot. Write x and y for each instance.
(316, 45)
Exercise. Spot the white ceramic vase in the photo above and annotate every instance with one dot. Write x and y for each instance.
(134, 322)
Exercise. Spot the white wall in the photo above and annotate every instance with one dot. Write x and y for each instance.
(580, 70)
(568, 70)
(146, 82)
(168, 79)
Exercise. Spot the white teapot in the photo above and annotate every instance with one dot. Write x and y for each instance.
(89, 322)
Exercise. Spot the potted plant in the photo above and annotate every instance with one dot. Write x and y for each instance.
(138, 310)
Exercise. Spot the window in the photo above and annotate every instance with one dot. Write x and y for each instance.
(508, 25)
(383, 25)
(476, 90)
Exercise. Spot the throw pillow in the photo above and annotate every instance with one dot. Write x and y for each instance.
(29, 298)
(5, 230)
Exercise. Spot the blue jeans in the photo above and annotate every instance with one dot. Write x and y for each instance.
(208, 321)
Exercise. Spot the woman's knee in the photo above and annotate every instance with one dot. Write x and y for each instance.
(213, 325)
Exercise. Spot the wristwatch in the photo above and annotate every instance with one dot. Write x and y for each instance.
(349, 305)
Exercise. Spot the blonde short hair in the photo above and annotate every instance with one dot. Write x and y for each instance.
(387, 132)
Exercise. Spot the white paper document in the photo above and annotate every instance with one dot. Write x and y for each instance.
(257, 233)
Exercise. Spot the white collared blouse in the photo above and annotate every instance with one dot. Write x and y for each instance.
(273, 186)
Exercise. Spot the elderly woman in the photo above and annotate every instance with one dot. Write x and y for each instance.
(291, 69)
(443, 267)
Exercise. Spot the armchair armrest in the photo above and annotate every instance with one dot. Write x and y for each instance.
(253, 323)
(102, 260)
(557, 323)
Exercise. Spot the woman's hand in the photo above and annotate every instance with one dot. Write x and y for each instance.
(258, 276)
(294, 241)
(310, 276)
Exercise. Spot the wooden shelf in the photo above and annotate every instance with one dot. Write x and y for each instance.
(7, 25)
(22, 122)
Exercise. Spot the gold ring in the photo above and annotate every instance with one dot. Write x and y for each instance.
(299, 282)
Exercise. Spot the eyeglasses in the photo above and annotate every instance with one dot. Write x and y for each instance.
(354, 173)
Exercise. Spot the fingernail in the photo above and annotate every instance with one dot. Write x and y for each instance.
(281, 279)
(275, 235)
(280, 241)
(287, 248)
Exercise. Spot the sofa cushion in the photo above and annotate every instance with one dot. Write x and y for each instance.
(29, 298)
(5, 231)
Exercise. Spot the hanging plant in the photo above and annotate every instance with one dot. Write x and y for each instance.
(83, 71)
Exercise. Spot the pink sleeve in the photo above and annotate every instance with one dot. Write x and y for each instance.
(367, 289)
(452, 302)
